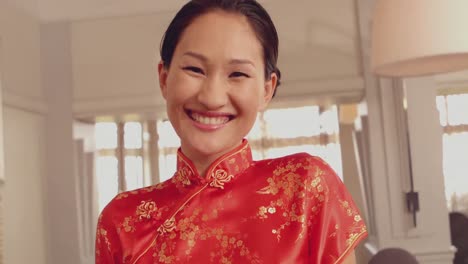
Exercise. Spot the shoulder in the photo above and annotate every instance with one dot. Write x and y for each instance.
(301, 163)
(127, 203)
(301, 173)
(300, 157)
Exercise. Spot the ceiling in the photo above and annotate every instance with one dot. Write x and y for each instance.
(319, 38)
(66, 10)
(54, 10)
(321, 27)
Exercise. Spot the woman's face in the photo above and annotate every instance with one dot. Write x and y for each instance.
(215, 84)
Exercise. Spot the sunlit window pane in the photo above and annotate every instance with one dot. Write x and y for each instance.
(146, 136)
(330, 153)
(456, 163)
(276, 132)
(133, 172)
(257, 154)
(329, 121)
(256, 131)
(167, 135)
(292, 122)
(457, 109)
(453, 111)
(167, 166)
(106, 135)
(107, 180)
(440, 103)
(284, 151)
(132, 135)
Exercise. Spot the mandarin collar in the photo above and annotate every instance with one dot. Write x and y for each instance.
(221, 171)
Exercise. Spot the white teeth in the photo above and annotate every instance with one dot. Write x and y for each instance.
(210, 120)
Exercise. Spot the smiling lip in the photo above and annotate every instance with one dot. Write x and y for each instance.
(209, 121)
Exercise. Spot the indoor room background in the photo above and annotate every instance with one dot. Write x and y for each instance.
(82, 119)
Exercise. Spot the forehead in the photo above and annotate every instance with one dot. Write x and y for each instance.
(221, 35)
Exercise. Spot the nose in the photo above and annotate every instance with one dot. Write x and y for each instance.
(213, 93)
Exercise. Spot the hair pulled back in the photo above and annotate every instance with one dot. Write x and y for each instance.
(257, 16)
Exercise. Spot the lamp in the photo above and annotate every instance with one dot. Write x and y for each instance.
(419, 37)
(415, 38)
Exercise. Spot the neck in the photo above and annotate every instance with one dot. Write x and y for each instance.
(203, 161)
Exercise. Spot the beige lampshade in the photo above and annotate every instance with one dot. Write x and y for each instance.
(419, 37)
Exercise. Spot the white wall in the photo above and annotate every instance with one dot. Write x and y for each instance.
(20, 37)
(318, 39)
(115, 59)
(115, 64)
(61, 180)
(24, 213)
(24, 134)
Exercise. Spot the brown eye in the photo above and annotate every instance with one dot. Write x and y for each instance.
(193, 69)
(238, 74)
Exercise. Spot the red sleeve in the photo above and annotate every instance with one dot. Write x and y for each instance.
(108, 249)
(336, 224)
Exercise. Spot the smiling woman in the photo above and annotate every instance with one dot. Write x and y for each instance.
(215, 85)
(218, 71)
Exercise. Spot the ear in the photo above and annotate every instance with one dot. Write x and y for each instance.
(163, 72)
(268, 91)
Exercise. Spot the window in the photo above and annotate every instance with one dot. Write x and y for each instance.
(129, 152)
(168, 144)
(106, 163)
(119, 164)
(277, 132)
(310, 129)
(453, 110)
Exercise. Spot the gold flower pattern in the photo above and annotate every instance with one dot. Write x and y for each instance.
(167, 226)
(275, 204)
(219, 178)
(183, 176)
(146, 209)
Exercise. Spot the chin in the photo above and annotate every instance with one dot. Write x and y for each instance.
(211, 147)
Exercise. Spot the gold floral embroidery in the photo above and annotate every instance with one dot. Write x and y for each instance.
(229, 244)
(162, 255)
(192, 229)
(354, 236)
(121, 196)
(183, 176)
(295, 192)
(294, 199)
(102, 235)
(146, 209)
(151, 188)
(219, 178)
(167, 226)
(127, 226)
(264, 211)
(189, 230)
(350, 212)
(315, 182)
(148, 189)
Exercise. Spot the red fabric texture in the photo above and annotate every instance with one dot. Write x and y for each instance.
(286, 210)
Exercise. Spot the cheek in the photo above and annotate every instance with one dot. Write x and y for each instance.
(250, 96)
(247, 103)
(180, 87)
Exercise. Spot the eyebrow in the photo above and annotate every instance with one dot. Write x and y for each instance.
(205, 59)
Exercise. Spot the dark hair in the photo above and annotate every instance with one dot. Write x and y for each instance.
(258, 19)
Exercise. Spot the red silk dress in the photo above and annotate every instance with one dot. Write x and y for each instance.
(286, 210)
